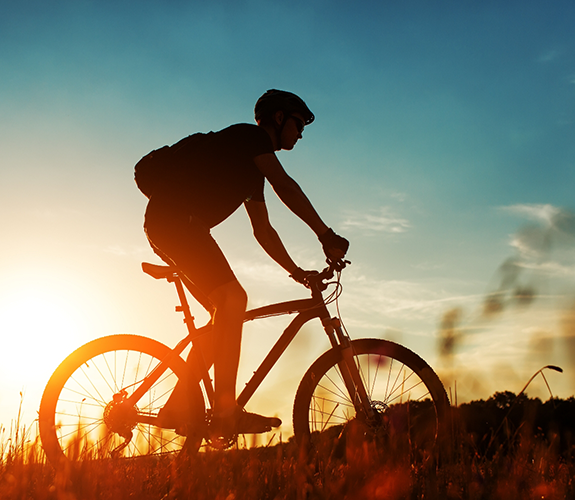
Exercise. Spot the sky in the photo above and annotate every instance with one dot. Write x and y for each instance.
(443, 149)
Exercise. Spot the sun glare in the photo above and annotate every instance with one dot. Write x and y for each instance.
(40, 327)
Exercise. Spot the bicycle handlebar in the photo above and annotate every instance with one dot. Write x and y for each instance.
(317, 281)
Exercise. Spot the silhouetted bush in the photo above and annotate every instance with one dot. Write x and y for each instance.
(502, 421)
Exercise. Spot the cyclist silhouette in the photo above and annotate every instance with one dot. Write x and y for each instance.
(214, 175)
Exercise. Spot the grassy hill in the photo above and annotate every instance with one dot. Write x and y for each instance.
(505, 447)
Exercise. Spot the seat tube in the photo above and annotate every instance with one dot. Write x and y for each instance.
(198, 369)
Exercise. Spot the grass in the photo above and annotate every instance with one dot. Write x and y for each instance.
(514, 458)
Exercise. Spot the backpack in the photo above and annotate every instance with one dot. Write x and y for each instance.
(148, 171)
(156, 170)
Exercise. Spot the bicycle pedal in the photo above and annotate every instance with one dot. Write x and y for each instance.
(252, 423)
(243, 423)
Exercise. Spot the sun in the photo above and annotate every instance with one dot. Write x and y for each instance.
(40, 326)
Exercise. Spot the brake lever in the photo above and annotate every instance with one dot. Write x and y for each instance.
(337, 265)
(328, 272)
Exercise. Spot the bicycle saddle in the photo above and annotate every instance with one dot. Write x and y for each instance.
(158, 272)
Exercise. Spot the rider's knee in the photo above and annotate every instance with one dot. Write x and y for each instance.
(230, 296)
(239, 297)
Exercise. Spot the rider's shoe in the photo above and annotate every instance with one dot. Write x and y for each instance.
(252, 423)
(180, 412)
(239, 421)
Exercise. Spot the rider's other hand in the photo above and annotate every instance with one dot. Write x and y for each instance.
(301, 275)
(334, 246)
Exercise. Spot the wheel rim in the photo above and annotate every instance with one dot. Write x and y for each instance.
(405, 411)
(92, 420)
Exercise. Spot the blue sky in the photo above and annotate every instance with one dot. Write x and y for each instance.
(443, 146)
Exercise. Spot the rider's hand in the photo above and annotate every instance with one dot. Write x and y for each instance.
(334, 246)
(300, 275)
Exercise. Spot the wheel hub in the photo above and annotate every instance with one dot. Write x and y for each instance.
(377, 421)
(120, 417)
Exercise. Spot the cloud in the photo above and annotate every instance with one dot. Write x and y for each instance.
(267, 273)
(537, 212)
(531, 242)
(550, 55)
(399, 299)
(381, 220)
(544, 249)
(552, 269)
(552, 230)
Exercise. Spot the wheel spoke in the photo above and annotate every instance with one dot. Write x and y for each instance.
(79, 417)
(398, 378)
(87, 394)
(102, 377)
(78, 430)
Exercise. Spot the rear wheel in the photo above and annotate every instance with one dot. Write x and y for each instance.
(83, 414)
(410, 406)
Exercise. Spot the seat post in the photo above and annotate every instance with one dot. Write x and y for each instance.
(184, 306)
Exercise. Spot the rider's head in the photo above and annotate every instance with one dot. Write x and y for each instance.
(280, 100)
(275, 108)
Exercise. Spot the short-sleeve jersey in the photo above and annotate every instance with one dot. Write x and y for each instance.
(215, 173)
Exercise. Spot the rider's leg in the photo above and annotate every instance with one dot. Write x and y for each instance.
(230, 301)
(182, 241)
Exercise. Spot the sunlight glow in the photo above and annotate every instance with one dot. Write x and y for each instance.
(40, 327)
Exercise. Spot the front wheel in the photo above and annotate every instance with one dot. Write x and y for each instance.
(408, 402)
(83, 414)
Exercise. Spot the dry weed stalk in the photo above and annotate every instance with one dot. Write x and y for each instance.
(524, 462)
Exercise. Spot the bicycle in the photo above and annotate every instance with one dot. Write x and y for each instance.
(103, 399)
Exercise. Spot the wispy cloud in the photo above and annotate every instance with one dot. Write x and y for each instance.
(538, 212)
(543, 261)
(380, 220)
(392, 300)
(554, 230)
(548, 56)
(551, 268)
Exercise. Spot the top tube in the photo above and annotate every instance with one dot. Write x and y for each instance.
(289, 307)
(316, 283)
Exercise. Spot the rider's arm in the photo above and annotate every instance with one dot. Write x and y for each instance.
(289, 192)
(267, 236)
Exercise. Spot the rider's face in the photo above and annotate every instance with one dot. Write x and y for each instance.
(292, 130)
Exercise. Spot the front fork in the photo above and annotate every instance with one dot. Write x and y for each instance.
(349, 369)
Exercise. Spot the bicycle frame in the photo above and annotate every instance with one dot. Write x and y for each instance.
(306, 309)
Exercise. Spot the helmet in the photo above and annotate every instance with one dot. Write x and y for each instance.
(280, 100)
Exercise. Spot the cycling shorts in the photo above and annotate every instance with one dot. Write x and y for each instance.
(184, 242)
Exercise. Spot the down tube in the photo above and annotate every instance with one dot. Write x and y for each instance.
(275, 353)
